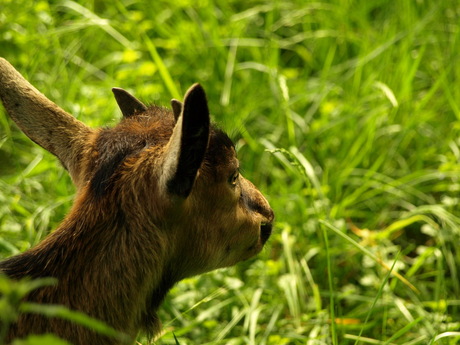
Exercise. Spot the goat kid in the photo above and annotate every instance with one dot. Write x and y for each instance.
(159, 198)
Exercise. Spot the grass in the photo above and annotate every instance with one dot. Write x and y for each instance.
(346, 116)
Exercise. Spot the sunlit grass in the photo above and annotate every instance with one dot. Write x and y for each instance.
(346, 116)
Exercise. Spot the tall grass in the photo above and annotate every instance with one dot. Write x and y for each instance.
(346, 114)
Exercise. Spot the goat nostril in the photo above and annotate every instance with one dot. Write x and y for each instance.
(265, 231)
(271, 216)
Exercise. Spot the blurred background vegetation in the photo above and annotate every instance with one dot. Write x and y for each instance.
(346, 115)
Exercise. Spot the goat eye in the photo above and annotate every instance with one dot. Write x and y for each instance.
(234, 178)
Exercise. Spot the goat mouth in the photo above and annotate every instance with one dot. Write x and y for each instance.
(265, 231)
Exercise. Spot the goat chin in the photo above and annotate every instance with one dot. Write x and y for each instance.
(159, 198)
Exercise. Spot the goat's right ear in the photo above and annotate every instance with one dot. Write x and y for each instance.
(188, 143)
(43, 121)
(129, 105)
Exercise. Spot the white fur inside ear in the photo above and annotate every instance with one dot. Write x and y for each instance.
(171, 159)
(187, 146)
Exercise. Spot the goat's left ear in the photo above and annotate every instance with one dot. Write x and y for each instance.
(187, 146)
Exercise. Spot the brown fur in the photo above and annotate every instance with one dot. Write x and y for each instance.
(159, 198)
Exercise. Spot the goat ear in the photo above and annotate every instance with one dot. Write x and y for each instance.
(177, 108)
(188, 144)
(129, 105)
(43, 121)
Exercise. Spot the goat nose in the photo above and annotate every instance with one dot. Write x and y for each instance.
(261, 206)
(270, 215)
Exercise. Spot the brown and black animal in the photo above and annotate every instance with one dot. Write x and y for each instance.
(159, 197)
